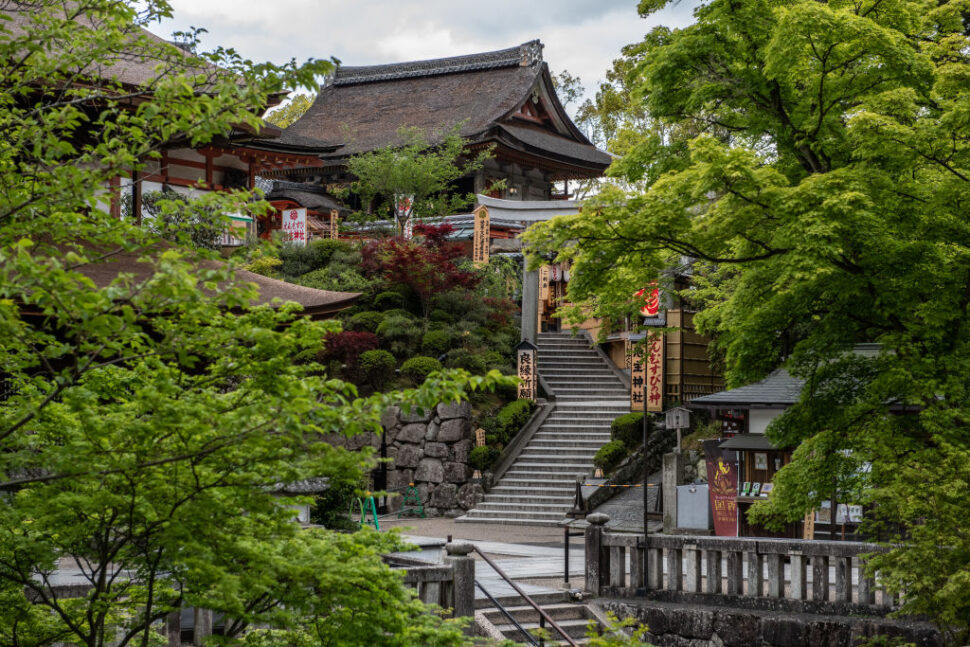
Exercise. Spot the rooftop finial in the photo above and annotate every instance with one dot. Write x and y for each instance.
(531, 53)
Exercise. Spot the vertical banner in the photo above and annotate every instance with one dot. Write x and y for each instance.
(638, 377)
(544, 272)
(525, 363)
(403, 214)
(334, 224)
(483, 230)
(722, 482)
(655, 371)
(294, 226)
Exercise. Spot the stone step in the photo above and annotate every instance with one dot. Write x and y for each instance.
(550, 444)
(542, 599)
(588, 392)
(518, 511)
(555, 466)
(509, 521)
(515, 499)
(564, 454)
(527, 485)
(574, 628)
(530, 478)
(526, 613)
(553, 488)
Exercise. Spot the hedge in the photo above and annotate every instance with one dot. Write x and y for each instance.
(418, 368)
(483, 458)
(388, 301)
(610, 455)
(628, 429)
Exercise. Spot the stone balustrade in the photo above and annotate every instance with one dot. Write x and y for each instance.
(810, 574)
(450, 585)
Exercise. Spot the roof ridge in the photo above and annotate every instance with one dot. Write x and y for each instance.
(525, 55)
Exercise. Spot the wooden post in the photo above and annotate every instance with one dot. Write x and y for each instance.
(595, 571)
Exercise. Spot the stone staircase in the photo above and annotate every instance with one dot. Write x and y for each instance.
(571, 616)
(538, 488)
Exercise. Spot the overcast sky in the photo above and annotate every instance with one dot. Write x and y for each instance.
(582, 36)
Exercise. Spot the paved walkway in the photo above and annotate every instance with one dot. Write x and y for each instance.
(532, 556)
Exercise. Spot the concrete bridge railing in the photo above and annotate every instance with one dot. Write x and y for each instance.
(800, 571)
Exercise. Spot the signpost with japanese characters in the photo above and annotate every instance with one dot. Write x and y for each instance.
(638, 376)
(334, 224)
(481, 241)
(525, 362)
(654, 385)
(294, 226)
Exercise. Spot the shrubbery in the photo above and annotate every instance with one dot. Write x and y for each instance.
(418, 368)
(628, 429)
(388, 301)
(483, 458)
(368, 320)
(610, 455)
(436, 342)
(377, 366)
(504, 425)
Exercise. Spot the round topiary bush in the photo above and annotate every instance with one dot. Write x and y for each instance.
(462, 358)
(368, 320)
(513, 417)
(483, 458)
(442, 316)
(388, 301)
(436, 342)
(377, 366)
(628, 429)
(610, 455)
(418, 368)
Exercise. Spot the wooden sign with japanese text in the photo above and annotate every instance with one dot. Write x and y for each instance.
(334, 224)
(482, 236)
(294, 226)
(722, 483)
(526, 365)
(654, 386)
(479, 437)
(638, 376)
(544, 283)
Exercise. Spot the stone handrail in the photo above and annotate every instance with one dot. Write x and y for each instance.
(450, 585)
(748, 568)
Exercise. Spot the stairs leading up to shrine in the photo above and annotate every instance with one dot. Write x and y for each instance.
(538, 488)
(573, 617)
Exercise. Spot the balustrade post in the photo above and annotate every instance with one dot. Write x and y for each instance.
(462, 591)
(618, 566)
(843, 579)
(655, 568)
(735, 575)
(597, 559)
(675, 566)
(713, 571)
(776, 576)
(755, 574)
(799, 590)
(867, 586)
(692, 574)
(173, 628)
(637, 556)
(820, 578)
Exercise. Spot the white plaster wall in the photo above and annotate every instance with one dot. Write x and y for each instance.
(758, 419)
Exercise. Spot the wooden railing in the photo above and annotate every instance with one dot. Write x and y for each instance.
(731, 566)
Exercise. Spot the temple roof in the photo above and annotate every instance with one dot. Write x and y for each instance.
(779, 389)
(480, 94)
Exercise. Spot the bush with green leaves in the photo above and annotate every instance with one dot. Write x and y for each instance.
(436, 342)
(483, 458)
(335, 278)
(298, 260)
(463, 358)
(388, 301)
(418, 368)
(399, 334)
(368, 320)
(628, 429)
(377, 366)
(610, 455)
(513, 416)
(443, 316)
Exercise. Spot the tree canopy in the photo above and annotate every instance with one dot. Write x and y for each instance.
(808, 163)
(145, 421)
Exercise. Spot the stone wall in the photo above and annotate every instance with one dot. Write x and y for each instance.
(431, 450)
(692, 625)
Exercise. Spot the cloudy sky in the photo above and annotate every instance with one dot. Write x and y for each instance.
(582, 36)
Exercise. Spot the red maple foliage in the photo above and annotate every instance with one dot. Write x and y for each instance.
(347, 346)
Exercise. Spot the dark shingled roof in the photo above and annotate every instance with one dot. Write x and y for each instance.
(754, 442)
(778, 389)
(310, 196)
(365, 107)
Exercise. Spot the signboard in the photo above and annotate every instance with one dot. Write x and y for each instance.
(403, 212)
(650, 296)
(479, 437)
(294, 226)
(334, 224)
(483, 231)
(638, 377)
(544, 283)
(722, 482)
(654, 382)
(808, 529)
(678, 418)
(526, 365)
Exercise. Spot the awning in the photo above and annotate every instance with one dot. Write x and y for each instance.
(757, 442)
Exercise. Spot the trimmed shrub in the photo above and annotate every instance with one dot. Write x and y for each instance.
(436, 342)
(514, 415)
(347, 346)
(418, 368)
(628, 429)
(399, 312)
(610, 455)
(388, 301)
(483, 458)
(377, 366)
(368, 321)
(462, 358)
(297, 260)
(442, 316)
(494, 359)
(400, 334)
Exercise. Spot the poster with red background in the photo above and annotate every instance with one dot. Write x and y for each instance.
(722, 484)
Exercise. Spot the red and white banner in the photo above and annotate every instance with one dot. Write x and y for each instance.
(294, 226)
(650, 298)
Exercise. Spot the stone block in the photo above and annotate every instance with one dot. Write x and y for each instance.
(737, 629)
(408, 456)
(417, 415)
(827, 634)
(430, 470)
(693, 622)
(470, 495)
(389, 418)
(413, 433)
(368, 438)
(461, 450)
(782, 631)
(457, 472)
(452, 410)
(399, 479)
(436, 450)
(453, 430)
(445, 496)
(432, 432)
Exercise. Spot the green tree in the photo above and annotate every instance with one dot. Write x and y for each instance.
(144, 423)
(814, 171)
(290, 111)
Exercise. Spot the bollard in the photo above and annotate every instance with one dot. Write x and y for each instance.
(597, 565)
(463, 586)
